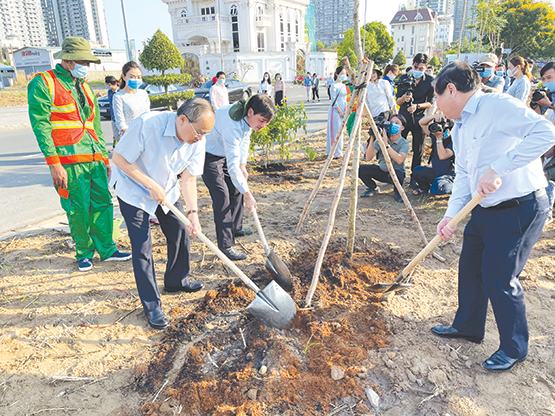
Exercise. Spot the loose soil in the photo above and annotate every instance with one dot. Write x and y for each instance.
(77, 343)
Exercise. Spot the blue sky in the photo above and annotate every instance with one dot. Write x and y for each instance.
(145, 16)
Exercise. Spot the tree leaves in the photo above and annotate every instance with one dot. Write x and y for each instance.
(378, 44)
(160, 54)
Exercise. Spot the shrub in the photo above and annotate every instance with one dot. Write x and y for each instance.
(170, 100)
(280, 134)
(168, 79)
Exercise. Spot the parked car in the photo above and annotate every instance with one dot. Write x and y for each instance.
(152, 90)
(237, 90)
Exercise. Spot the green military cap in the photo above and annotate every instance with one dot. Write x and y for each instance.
(76, 48)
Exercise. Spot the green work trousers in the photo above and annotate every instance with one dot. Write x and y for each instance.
(88, 205)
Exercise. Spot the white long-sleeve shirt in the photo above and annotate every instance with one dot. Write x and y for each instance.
(219, 96)
(231, 139)
(379, 97)
(129, 106)
(496, 131)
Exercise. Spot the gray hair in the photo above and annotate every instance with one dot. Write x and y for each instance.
(195, 108)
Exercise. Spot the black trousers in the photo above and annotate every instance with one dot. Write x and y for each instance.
(329, 93)
(227, 201)
(279, 98)
(367, 173)
(417, 141)
(497, 243)
(315, 93)
(177, 241)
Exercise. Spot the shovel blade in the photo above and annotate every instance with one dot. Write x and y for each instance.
(273, 306)
(279, 270)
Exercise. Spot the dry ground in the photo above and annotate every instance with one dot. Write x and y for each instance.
(77, 344)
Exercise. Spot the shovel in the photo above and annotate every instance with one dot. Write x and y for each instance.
(274, 263)
(272, 305)
(402, 280)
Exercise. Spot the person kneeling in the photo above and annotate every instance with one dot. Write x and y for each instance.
(438, 178)
(397, 147)
(159, 150)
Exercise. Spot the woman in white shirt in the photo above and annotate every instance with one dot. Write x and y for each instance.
(519, 69)
(379, 96)
(129, 102)
(337, 111)
(265, 85)
(219, 95)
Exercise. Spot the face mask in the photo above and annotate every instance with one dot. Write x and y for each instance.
(445, 133)
(394, 129)
(417, 74)
(80, 71)
(344, 78)
(221, 82)
(134, 83)
(500, 73)
(550, 85)
(488, 72)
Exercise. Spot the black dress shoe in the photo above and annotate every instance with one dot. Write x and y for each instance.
(233, 254)
(157, 319)
(189, 287)
(500, 361)
(447, 331)
(242, 232)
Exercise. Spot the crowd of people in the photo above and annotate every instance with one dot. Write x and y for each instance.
(500, 145)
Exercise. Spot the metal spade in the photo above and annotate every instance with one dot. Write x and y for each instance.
(272, 305)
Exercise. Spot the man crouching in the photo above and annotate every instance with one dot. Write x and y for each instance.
(159, 154)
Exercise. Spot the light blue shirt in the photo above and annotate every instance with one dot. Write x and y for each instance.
(151, 143)
(496, 131)
(496, 82)
(520, 88)
(231, 139)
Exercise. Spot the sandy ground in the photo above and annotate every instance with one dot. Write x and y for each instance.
(77, 344)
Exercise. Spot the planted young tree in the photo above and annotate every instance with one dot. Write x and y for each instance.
(160, 54)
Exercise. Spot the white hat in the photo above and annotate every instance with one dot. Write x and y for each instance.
(489, 59)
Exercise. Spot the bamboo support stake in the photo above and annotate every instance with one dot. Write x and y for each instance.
(337, 197)
(397, 184)
(329, 159)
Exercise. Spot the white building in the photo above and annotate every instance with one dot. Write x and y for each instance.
(444, 31)
(414, 31)
(21, 24)
(242, 36)
(85, 18)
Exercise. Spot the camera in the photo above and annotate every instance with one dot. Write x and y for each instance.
(440, 126)
(538, 95)
(407, 84)
(478, 68)
(382, 123)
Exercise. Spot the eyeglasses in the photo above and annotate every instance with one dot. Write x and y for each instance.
(195, 132)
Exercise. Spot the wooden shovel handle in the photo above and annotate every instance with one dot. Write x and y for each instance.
(260, 231)
(431, 246)
(214, 249)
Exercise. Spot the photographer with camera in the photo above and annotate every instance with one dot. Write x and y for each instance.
(542, 99)
(438, 178)
(415, 94)
(486, 69)
(397, 148)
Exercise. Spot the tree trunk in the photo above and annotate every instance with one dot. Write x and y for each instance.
(356, 27)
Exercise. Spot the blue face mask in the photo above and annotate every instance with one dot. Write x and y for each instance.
(550, 85)
(134, 83)
(344, 78)
(445, 133)
(394, 129)
(80, 71)
(417, 74)
(500, 73)
(488, 72)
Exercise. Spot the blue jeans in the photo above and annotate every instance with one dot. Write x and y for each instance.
(550, 190)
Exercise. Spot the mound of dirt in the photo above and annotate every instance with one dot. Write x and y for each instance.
(217, 364)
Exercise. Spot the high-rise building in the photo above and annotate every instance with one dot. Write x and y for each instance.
(333, 18)
(438, 6)
(464, 14)
(21, 24)
(85, 18)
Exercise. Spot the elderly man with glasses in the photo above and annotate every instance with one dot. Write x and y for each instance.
(157, 160)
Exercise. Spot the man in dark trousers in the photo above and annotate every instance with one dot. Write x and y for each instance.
(499, 158)
(415, 94)
(158, 159)
(225, 170)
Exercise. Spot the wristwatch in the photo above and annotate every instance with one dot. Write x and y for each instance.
(191, 211)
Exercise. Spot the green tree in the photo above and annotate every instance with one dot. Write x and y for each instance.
(160, 54)
(384, 42)
(347, 46)
(400, 59)
(530, 27)
(435, 62)
(489, 23)
(320, 46)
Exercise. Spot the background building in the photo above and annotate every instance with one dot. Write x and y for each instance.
(333, 18)
(21, 24)
(444, 31)
(414, 31)
(438, 6)
(464, 15)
